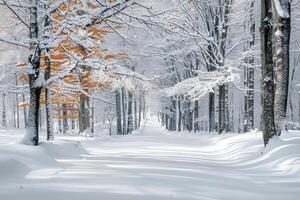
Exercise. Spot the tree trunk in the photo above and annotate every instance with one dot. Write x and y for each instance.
(267, 71)
(24, 110)
(81, 114)
(282, 42)
(222, 109)
(17, 107)
(249, 78)
(119, 114)
(93, 117)
(32, 127)
(223, 89)
(49, 121)
(173, 113)
(196, 116)
(211, 112)
(84, 114)
(189, 117)
(87, 116)
(130, 115)
(140, 110)
(4, 121)
(166, 120)
(144, 106)
(65, 118)
(179, 123)
(135, 114)
(124, 110)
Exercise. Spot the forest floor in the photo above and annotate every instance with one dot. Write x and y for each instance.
(151, 165)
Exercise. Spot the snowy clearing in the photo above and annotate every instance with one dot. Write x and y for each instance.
(152, 164)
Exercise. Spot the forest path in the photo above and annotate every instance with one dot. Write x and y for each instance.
(155, 165)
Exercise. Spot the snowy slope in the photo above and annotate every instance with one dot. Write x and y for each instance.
(152, 165)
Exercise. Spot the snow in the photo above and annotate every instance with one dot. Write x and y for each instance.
(280, 10)
(29, 134)
(151, 164)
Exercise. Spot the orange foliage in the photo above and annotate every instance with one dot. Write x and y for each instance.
(60, 59)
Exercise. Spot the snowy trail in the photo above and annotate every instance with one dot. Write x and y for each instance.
(156, 165)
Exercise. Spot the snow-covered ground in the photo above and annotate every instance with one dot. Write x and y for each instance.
(151, 165)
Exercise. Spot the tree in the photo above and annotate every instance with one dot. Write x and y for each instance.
(61, 39)
(268, 88)
(282, 64)
(249, 74)
(32, 132)
(275, 97)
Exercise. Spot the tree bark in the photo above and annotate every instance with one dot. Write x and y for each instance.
(119, 114)
(124, 110)
(130, 114)
(49, 120)
(4, 121)
(92, 117)
(222, 109)
(196, 116)
(140, 110)
(249, 81)
(135, 114)
(189, 117)
(268, 89)
(84, 114)
(65, 118)
(24, 110)
(211, 112)
(282, 42)
(17, 107)
(173, 113)
(32, 127)
(223, 89)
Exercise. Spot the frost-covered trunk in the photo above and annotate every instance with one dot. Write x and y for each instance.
(49, 121)
(119, 114)
(282, 42)
(32, 126)
(212, 26)
(268, 89)
(46, 50)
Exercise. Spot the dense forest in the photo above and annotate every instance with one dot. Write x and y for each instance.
(87, 69)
